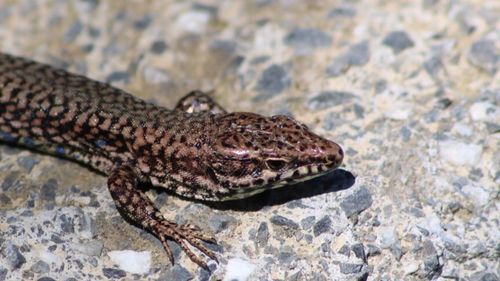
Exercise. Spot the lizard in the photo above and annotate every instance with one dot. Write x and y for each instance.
(197, 150)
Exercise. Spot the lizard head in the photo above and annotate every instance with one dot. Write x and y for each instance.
(252, 153)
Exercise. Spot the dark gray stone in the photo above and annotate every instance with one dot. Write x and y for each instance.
(225, 47)
(345, 250)
(298, 276)
(357, 55)
(358, 110)
(347, 12)
(284, 222)
(12, 181)
(287, 257)
(3, 273)
(359, 251)
(459, 252)
(350, 268)
(316, 276)
(45, 278)
(67, 224)
(477, 250)
(325, 247)
(322, 226)
(158, 47)
(13, 256)
(484, 55)
(87, 48)
(328, 99)
(274, 80)
(432, 266)
(27, 162)
(91, 248)
(40, 267)
(295, 204)
(380, 86)
(118, 76)
(308, 238)
(396, 251)
(4, 199)
(405, 133)
(259, 60)
(143, 23)
(211, 9)
(489, 276)
(87, 6)
(177, 272)
(454, 206)
(492, 128)
(424, 231)
(176, 249)
(373, 250)
(417, 212)
(429, 249)
(49, 190)
(218, 223)
(87, 223)
(476, 174)
(433, 65)
(444, 103)
(357, 202)
(56, 239)
(305, 40)
(73, 31)
(94, 32)
(332, 121)
(262, 235)
(398, 41)
(306, 223)
(114, 273)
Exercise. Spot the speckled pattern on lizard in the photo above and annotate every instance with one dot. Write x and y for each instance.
(197, 150)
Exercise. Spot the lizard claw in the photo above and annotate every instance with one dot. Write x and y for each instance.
(182, 234)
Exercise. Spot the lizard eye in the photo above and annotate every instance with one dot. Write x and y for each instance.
(275, 164)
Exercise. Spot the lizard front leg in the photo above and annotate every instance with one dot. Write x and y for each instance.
(133, 203)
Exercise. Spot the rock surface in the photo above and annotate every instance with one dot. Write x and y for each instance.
(409, 89)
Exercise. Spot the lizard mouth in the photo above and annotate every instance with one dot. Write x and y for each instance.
(300, 174)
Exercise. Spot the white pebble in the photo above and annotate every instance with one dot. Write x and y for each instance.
(477, 194)
(238, 269)
(49, 257)
(194, 21)
(433, 224)
(388, 236)
(484, 111)
(132, 261)
(462, 129)
(459, 153)
(399, 113)
(411, 268)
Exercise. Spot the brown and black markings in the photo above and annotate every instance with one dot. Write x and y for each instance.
(197, 150)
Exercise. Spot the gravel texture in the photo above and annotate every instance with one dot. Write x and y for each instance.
(409, 89)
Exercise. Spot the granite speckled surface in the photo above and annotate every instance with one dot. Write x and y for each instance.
(410, 89)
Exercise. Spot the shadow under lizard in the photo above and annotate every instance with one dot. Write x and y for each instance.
(197, 150)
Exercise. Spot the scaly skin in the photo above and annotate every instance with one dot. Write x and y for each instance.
(197, 150)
